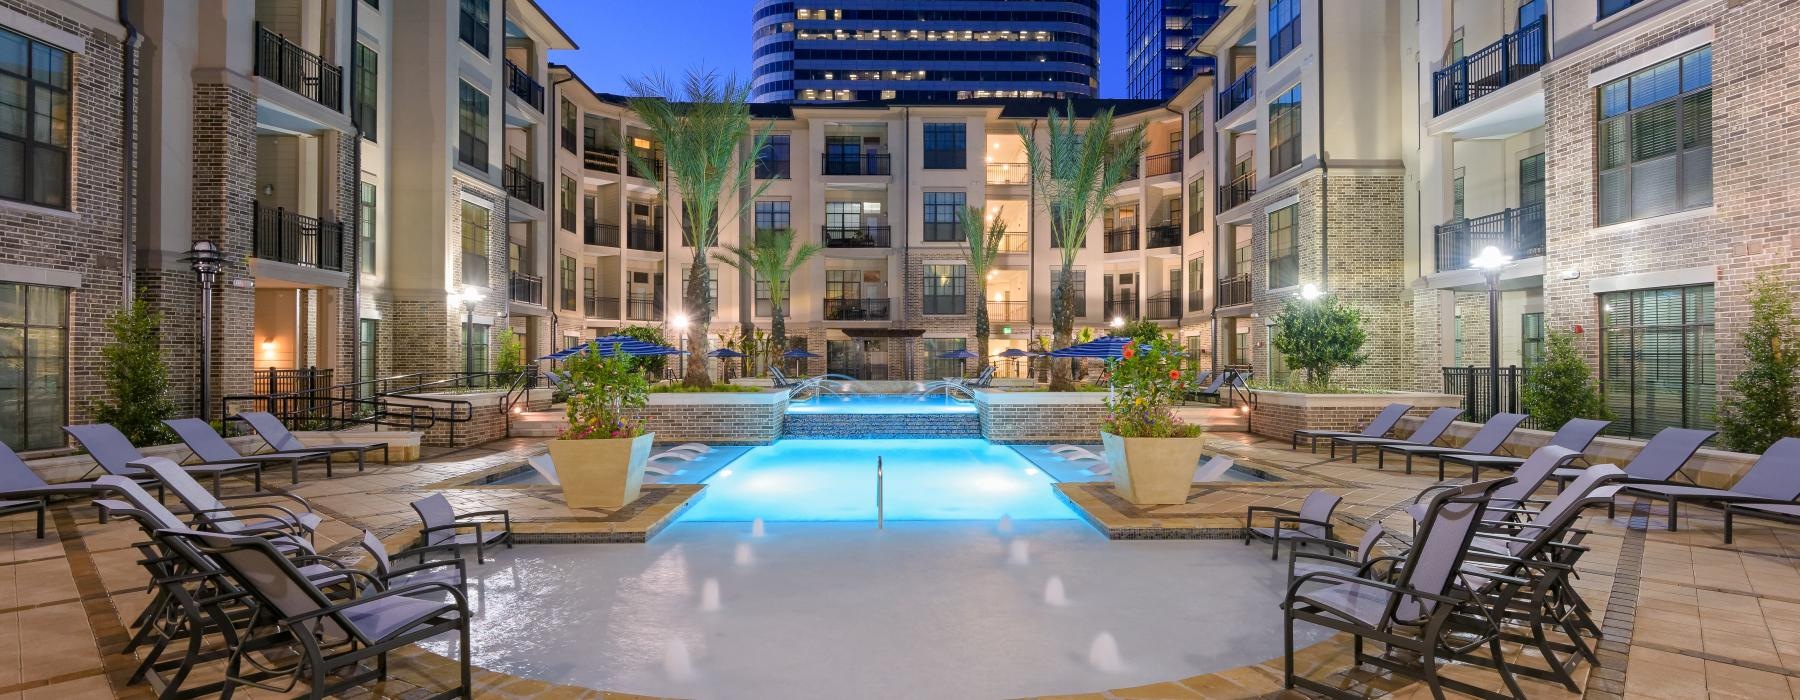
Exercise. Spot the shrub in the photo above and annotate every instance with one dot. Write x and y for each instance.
(1561, 388)
(1146, 383)
(653, 365)
(603, 390)
(1320, 336)
(1142, 330)
(137, 379)
(1762, 409)
(512, 354)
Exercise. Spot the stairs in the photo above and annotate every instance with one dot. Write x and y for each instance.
(539, 424)
(1226, 419)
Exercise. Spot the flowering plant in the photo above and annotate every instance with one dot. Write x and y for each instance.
(603, 392)
(1146, 382)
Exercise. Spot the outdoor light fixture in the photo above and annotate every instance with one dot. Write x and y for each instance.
(680, 321)
(468, 297)
(207, 261)
(1118, 322)
(1490, 262)
(1310, 292)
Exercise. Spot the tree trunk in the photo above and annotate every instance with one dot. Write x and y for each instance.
(777, 331)
(981, 325)
(695, 299)
(1062, 328)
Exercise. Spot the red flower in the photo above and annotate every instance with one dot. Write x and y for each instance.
(1175, 374)
(1130, 349)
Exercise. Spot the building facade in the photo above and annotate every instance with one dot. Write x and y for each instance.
(1159, 36)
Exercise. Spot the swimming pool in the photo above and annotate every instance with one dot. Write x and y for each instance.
(834, 480)
(881, 403)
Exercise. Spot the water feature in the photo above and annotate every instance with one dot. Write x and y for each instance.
(869, 404)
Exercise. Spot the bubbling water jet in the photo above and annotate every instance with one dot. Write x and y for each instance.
(709, 595)
(677, 662)
(1054, 595)
(1103, 653)
(1018, 553)
(743, 556)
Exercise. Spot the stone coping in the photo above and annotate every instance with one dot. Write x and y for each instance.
(739, 398)
(1418, 399)
(1064, 398)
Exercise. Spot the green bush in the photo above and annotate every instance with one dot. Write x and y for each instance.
(603, 391)
(136, 378)
(1762, 407)
(653, 365)
(1146, 383)
(512, 354)
(1561, 388)
(1320, 336)
(1142, 330)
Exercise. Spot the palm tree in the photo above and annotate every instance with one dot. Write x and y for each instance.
(771, 258)
(701, 126)
(1074, 173)
(982, 250)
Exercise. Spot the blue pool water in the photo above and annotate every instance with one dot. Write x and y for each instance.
(881, 403)
(834, 480)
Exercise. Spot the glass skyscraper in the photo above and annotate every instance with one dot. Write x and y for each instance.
(1158, 33)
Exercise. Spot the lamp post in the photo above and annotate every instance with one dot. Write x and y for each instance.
(1490, 263)
(468, 297)
(206, 261)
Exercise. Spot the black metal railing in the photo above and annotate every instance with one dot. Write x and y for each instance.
(601, 307)
(856, 164)
(857, 309)
(1008, 311)
(1163, 235)
(644, 237)
(525, 87)
(1491, 67)
(1234, 290)
(527, 289)
(285, 236)
(1132, 171)
(1162, 306)
(297, 69)
(1237, 191)
(602, 158)
(522, 187)
(1126, 309)
(1474, 383)
(867, 236)
(1237, 93)
(654, 164)
(1516, 232)
(643, 307)
(1162, 163)
(1121, 239)
(596, 233)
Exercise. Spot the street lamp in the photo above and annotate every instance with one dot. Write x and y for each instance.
(1311, 292)
(207, 261)
(468, 297)
(1118, 322)
(1490, 263)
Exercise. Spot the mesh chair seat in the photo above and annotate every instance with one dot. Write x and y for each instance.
(1357, 602)
(380, 619)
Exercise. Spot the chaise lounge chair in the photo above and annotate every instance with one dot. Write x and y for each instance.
(1526, 480)
(1656, 463)
(23, 491)
(1773, 480)
(1492, 435)
(211, 513)
(1575, 435)
(441, 526)
(1428, 432)
(1378, 427)
(279, 439)
(1311, 522)
(114, 453)
(208, 446)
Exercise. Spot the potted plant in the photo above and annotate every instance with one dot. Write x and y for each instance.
(1152, 453)
(600, 457)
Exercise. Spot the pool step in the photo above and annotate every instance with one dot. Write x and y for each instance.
(881, 425)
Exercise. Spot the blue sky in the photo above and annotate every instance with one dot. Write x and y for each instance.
(632, 38)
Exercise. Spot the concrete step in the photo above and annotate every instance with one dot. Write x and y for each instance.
(1221, 418)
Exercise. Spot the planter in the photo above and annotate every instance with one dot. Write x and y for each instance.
(1153, 471)
(1277, 414)
(604, 473)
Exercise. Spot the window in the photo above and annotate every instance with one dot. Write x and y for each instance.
(565, 112)
(1196, 212)
(1284, 255)
(1284, 28)
(1609, 8)
(590, 287)
(764, 306)
(368, 335)
(1196, 284)
(1284, 131)
(565, 280)
(472, 126)
(943, 216)
(475, 220)
(1078, 281)
(944, 289)
(1655, 140)
(772, 161)
(475, 336)
(1657, 365)
(567, 204)
(365, 228)
(34, 360)
(773, 215)
(1196, 126)
(946, 146)
(1240, 344)
(936, 367)
(1458, 209)
(472, 25)
(1531, 339)
(34, 122)
(1531, 182)
(366, 66)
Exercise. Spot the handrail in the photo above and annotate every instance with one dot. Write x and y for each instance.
(518, 389)
(369, 402)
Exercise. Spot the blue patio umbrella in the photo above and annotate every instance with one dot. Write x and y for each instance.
(1016, 353)
(621, 343)
(1111, 347)
(725, 352)
(797, 353)
(958, 355)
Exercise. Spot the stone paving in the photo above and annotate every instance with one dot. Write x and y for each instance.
(1687, 616)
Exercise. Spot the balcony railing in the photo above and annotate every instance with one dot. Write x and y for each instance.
(1163, 235)
(523, 86)
(1008, 311)
(1492, 67)
(527, 289)
(602, 307)
(1237, 93)
(634, 170)
(857, 309)
(1516, 232)
(1162, 163)
(285, 236)
(868, 236)
(644, 307)
(856, 164)
(596, 233)
(521, 187)
(1015, 242)
(1121, 239)
(1237, 192)
(297, 69)
(644, 237)
(1162, 306)
(1234, 290)
(601, 158)
(1008, 173)
(1122, 308)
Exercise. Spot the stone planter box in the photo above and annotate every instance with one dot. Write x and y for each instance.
(1277, 414)
(724, 418)
(1040, 416)
(1710, 467)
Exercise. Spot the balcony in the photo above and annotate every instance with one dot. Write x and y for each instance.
(1163, 235)
(1015, 242)
(857, 309)
(1494, 66)
(1122, 308)
(868, 236)
(1162, 306)
(644, 307)
(603, 159)
(650, 161)
(1008, 312)
(1234, 290)
(856, 164)
(1237, 93)
(526, 289)
(1008, 173)
(283, 62)
(601, 307)
(1162, 163)
(1237, 192)
(1516, 232)
(1121, 239)
(644, 237)
(596, 233)
(524, 87)
(284, 236)
(521, 187)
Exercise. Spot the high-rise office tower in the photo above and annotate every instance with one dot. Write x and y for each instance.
(1158, 33)
(923, 50)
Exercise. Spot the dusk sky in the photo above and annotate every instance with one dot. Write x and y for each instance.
(632, 38)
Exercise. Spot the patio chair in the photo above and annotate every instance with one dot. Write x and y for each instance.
(1526, 480)
(424, 571)
(332, 635)
(986, 378)
(780, 379)
(114, 453)
(1773, 480)
(1489, 438)
(1576, 435)
(1378, 426)
(276, 435)
(1428, 432)
(1361, 555)
(207, 445)
(211, 513)
(1658, 461)
(558, 381)
(441, 526)
(1311, 522)
(23, 491)
(1213, 387)
(1202, 379)
(1408, 609)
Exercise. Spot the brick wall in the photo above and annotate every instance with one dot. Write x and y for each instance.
(715, 423)
(1278, 414)
(1017, 418)
(224, 192)
(936, 325)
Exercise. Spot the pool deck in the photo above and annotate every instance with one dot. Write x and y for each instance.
(1686, 616)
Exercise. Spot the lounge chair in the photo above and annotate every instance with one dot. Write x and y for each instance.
(1658, 461)
(778, 378)
(1378, 427)
(114, 453)
(558, 381)
(279, 439)
(1489, 438)
(332, 635)
(1780, 512)
(211, 513)
(1575, 435)
(694, 447)
(153, 515)
(441, 526)
(425, 571)
(1773, 480)
(1219, 386)
(1311, 522)
(1428, 432)
(23, 491)
(1526, 480)
(207, 445)
(1201, 379)
(1303, 563)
